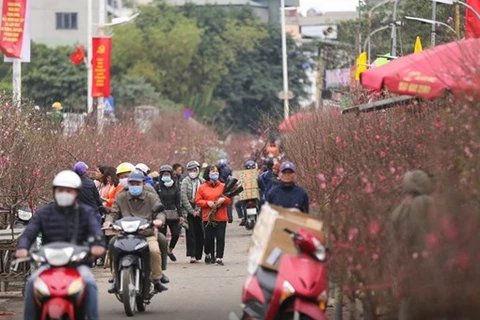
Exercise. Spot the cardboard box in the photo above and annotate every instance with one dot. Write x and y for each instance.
(269, 240)
(249, 180)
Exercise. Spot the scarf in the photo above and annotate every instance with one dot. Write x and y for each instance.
(168, 184)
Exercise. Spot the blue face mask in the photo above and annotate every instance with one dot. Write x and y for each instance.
(214, 176)
(135, 190)
(166, 179)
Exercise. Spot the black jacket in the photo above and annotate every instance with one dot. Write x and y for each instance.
(170, 197)
(89, 194)
(56, 224)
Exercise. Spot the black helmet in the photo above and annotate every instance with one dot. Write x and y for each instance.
(166, 168)
(250, 164)
(192, 165)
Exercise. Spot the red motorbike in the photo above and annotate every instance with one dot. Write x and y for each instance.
(59, 290)
(299, 290)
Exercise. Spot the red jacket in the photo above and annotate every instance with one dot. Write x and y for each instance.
(208, 192)
(112, 193)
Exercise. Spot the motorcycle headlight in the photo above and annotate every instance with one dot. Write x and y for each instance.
(130, 226)
(41, 288)
(75, 287)
(58, 257)
(24, 215)
(287, 290)
(141, 245)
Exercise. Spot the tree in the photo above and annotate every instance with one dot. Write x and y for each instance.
(250, 90)
(50, 77)
(407, 33)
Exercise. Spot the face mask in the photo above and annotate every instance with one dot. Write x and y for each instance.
(193, 175)
(214, 176)
(124, 182)
(166, 179)
(64, 199)
(135, 191)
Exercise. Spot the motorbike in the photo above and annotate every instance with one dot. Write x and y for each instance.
(59, 290)
(298, 291)
(135, 288)
(251, 210)
(23, 217)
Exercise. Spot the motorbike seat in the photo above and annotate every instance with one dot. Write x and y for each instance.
(267, 279)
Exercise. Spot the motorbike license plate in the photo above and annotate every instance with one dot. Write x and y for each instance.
(251, 212)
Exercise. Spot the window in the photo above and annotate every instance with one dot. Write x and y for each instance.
(66, 20)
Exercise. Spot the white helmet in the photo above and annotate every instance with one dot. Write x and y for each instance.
(143, 167)
(67, 179)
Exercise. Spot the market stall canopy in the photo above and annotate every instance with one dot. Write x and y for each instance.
(293, 121)
(453, 67)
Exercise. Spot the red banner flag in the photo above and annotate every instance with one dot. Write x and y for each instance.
(78, 56)
(101, 67)
(12, 27)
(472, 24)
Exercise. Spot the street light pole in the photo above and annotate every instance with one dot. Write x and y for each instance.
(286, 107)
(393, 52)
(89, 57)
(370, 14)
(101, 23)
(17, 81)
(434, 18)
(433, 22)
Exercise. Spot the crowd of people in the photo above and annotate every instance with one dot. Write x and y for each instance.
(189, 199)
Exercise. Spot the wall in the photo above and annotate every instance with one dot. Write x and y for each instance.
(43, 21)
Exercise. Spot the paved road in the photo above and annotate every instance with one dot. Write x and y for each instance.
(196, 291)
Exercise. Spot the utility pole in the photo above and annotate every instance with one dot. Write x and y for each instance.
(89, 57)
(457, 18)
(393, 52)
(101, 24)
(17, 82)
(286, 107)
(434, 18)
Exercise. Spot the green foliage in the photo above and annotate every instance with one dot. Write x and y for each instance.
(223, 63)
(51, 77)
(251, 88)
(134, 91)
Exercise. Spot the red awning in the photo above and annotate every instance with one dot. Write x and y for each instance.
(453, 67)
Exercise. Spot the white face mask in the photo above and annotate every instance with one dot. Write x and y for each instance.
(193, 175)
(64, 199)
(124, 182)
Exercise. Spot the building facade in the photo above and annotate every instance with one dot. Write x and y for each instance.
(64, 22)
(267, 10)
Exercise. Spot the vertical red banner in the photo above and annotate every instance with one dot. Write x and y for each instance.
(12, 27)
(472, 23)
(101, 67)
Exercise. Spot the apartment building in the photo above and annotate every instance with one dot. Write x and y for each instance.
(64, 22)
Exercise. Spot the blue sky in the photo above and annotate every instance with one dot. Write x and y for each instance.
(330, 5)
